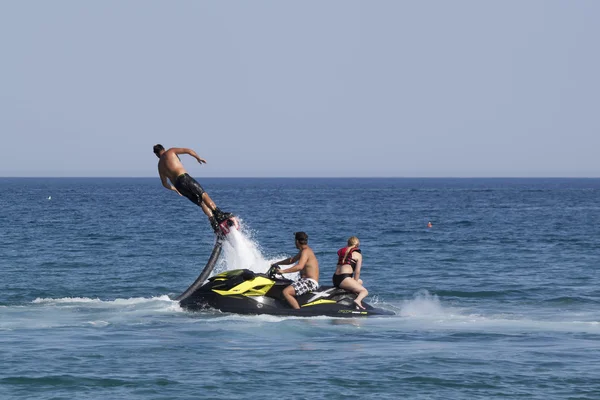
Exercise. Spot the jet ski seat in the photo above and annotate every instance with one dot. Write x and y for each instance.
(234, 278)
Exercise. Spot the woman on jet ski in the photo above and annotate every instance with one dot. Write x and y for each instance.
(347, 272)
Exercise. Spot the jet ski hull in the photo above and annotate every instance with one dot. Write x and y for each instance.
(246, 292)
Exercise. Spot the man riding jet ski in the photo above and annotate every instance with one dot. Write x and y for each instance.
(245, 292)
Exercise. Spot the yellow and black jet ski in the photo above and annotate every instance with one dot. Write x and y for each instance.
(243, 291)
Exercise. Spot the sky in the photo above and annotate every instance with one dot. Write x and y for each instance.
(301, 88)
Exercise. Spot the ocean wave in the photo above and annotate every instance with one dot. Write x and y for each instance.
(478, 294)
(78, 381)
(427, 311)
(87, 300)
(571, 300)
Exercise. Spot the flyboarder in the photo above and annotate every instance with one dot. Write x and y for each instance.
(171, 168)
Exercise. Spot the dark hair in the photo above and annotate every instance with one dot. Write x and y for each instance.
(158, 148)
(301, 237)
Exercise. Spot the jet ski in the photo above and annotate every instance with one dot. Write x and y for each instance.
(243, 291)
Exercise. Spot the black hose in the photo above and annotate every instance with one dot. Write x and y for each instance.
(210, 265)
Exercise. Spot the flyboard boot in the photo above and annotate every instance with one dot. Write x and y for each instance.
(222, 222)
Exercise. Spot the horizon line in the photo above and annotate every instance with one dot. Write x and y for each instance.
(307, 177)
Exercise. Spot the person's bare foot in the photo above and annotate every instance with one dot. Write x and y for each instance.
(359, 306)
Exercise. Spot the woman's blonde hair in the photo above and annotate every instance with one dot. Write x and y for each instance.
(352, 241)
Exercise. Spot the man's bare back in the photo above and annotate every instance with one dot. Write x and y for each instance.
(170, 166)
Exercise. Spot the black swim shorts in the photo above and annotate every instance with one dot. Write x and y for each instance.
(337, 279)
(190, 188)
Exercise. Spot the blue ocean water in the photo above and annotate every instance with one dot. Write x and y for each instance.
(498, 299)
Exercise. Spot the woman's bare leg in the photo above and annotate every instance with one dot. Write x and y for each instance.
(352, 285)
(361, 295)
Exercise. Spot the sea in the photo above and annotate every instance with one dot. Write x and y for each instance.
(494, 284)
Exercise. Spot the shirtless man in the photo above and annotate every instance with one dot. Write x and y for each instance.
(170, 167)
(308, 266)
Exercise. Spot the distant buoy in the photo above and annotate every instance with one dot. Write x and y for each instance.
(429, 225)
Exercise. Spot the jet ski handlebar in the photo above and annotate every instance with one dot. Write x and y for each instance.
(274, 270)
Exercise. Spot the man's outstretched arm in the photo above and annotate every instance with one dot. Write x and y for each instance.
(288, 261)
(302, 260)
(185, 150)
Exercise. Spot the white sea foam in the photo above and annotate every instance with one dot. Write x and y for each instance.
(426, 311)
(241, 251)
(82, 311)
(99, 324)
(266, 318)
(424, 304)
(90, 301)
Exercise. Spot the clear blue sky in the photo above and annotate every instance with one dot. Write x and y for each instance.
(305, 88)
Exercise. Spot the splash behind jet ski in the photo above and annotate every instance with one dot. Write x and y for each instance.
(243, 291)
